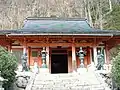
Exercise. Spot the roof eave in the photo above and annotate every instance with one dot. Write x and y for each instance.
(56, 34)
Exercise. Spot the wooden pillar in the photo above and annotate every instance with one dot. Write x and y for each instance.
(107, 55)
(24, 46)
(47, 56)
(91, 56)
(24, 49)
(69, 61)
(10, 48)
(73, 57)
(88, 56)
(28, 54)
(95, 55)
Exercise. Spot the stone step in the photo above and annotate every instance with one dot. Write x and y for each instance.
(54, 76)
(69, 81)
(67, 88)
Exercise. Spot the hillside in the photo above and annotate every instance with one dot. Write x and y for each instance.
(97, 12)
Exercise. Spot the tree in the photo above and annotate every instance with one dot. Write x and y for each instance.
(113, 19)
(8, 64)
(14, 12)
(116, 70)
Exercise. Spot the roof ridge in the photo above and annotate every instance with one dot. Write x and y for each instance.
(56, 18)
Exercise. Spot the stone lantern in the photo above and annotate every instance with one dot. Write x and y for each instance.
(43, 55)
(81, 55)
(1, 81)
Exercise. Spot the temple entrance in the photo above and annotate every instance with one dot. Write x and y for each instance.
(59, 63)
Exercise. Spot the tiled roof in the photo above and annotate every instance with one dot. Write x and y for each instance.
(55, 25)
(58, 26)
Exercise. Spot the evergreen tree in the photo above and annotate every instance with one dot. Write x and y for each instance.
(116, 70)
(8, 64)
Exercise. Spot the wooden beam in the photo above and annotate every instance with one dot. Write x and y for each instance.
(48, 44)
(60, 44)
(53, 36)
(99, 40)
(4, 42)
(83, 44)
(111, 43)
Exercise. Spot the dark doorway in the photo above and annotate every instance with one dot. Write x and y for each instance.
(59, 63)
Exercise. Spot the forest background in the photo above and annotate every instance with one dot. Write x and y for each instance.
(101, 14)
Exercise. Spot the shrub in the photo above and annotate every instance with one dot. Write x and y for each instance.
(8, 64)
(116, 70)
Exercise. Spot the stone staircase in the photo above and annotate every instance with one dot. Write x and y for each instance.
(70, 81)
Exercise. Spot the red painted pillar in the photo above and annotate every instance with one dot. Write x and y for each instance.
(95, 55)
(26, 50)
(88, 56)
(29, 54)
(73, 57)
(107, 55)
(9, 48)
(47, 57)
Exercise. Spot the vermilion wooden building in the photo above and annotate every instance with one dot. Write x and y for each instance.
(61, 39)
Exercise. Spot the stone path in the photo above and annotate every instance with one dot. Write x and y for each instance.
(70, 81)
